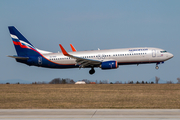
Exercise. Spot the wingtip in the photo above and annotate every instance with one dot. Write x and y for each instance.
(72, 47)
(63, 50)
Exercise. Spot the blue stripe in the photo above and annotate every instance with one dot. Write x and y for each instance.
(15, 40)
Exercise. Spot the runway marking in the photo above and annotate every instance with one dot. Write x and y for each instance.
(94, 113)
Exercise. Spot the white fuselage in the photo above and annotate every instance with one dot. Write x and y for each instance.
(122, 56)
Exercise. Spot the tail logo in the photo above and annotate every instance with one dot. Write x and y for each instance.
(21, 43)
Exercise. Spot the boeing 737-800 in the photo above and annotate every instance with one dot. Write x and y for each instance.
(105, 59)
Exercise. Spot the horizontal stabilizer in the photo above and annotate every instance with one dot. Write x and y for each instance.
(17, 57)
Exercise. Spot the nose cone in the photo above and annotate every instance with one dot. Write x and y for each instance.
(170, 55)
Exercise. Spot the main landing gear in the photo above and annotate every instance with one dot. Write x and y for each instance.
(157, 67)
(92, 71)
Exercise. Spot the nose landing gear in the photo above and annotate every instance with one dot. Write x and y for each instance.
(92, 71)
(157, 67)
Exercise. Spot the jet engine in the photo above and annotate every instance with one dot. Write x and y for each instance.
(109, 65)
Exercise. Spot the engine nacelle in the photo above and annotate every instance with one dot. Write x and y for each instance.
(109, 65)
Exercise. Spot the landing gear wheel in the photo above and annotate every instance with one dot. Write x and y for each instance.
(157, 67)
(92, 71)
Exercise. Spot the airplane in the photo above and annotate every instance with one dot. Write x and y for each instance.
(28, 54)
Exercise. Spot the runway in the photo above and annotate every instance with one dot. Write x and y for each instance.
(90, 114)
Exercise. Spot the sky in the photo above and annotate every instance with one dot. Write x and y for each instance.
(89, 25)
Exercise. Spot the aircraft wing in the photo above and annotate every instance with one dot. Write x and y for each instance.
(83, 62)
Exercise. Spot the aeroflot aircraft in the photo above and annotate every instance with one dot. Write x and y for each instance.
(105, 59)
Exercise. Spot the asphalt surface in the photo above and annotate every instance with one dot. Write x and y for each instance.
(87, 114)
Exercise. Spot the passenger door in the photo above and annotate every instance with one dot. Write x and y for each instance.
(153, 53)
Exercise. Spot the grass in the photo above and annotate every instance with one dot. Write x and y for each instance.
(101, 96)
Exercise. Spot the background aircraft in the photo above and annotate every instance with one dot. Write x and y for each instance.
(105, 59)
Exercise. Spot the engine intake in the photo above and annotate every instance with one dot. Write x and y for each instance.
(109, 65)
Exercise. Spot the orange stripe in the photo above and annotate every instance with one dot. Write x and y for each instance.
(116, 64)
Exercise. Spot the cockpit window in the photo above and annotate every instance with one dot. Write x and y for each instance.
(163, 51)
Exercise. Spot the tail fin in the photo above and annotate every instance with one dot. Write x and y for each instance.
(23, 47)
(73, 48)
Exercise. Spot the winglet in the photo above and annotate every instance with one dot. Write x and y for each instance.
(72, 47)
(63, 50)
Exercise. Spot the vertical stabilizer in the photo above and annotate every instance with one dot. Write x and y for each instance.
(22, 45)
